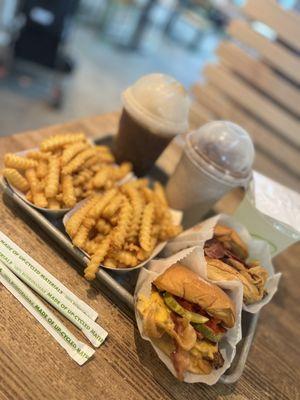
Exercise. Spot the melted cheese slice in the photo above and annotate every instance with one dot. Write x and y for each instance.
(204, 349)
(155, 313)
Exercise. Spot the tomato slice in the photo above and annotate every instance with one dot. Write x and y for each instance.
(184, 303)
(191, 306)
(214, 324)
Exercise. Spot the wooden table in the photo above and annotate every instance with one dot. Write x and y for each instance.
(33, 366)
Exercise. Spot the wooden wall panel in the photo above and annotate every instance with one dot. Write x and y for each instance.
(285, 23)
(274, 53)
(260, 75)
(223, 108)
(254, 102)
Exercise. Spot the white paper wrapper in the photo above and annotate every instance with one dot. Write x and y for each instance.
(10, 252)
(271, 212)
(277, 201)
(77, 350)
(258, 249)
(191, 258)
(176, 215)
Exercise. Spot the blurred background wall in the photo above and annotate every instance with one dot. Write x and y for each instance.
(65, 59)
(62, 59)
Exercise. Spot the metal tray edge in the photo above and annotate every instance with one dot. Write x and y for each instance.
(114, 286)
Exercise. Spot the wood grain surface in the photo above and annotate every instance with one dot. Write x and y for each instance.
(33, 366)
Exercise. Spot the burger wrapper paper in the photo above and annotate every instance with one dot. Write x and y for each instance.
(258, 250)
(193, 259)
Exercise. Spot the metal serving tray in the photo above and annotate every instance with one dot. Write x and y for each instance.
(122, 285)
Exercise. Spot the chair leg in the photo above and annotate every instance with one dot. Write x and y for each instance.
(56, 99)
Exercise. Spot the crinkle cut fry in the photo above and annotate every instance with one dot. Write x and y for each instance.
(101, 177)
(91, 162)
(42, 169)
(38, 155)
(54, 204)
(38, 197)
(58, 141)
(138, 204)
(16, 179)
(83, 176)
(113, 206)
(124, 222)
(68, 191)
(121, 171)
(18, 162)
(76, 219)
(97, 209)
(93, 265)
(81, 236)
(146, 227)
(52, 179)
(102, 226)
(126, 258)
(77, 162)
(72, 150)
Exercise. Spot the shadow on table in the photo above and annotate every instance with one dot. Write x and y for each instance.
(163, 376)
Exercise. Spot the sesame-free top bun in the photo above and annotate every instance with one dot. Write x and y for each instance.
(182, 282)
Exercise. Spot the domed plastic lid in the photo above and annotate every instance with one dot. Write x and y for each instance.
(159, 102)
(224, 147)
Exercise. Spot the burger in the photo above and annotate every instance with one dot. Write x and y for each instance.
(226, 256)
(186, 317)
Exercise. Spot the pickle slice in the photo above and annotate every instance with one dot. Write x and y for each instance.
(176, 307)
(208, 333)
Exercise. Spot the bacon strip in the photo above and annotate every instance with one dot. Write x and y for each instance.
(213, 248)
(181, 361)
(185, 334)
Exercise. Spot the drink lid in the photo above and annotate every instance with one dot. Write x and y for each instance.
(224, 150)
(159, 102)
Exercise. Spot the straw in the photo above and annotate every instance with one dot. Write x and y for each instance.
(77, 350)
(13, 251)
(18, 265)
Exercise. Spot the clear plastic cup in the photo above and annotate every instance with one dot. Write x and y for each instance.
(216, 158)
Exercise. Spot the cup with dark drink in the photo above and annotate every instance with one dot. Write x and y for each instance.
(155, 110)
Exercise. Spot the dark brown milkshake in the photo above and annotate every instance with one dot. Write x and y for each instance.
(135, 143)
(155, 111)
